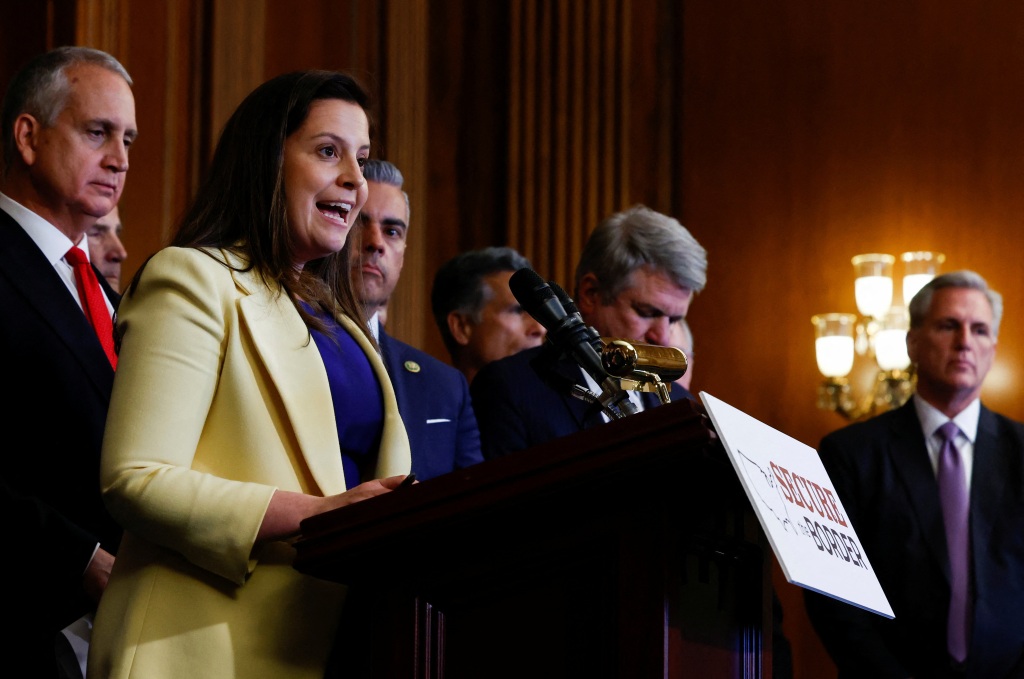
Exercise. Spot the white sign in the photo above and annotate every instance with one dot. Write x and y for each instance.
(799, 509)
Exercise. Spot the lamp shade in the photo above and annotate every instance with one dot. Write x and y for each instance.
(833, 343)
(919, 268)
(873, 284)
(891, 341)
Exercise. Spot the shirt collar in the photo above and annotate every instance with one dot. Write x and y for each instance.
(931, 418)
(45, 235)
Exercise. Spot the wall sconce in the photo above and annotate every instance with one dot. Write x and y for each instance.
(879, 331)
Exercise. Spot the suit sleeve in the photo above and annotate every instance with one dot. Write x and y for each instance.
(54, 553)
(496, 401)
(170, 367)
(849, 634)
(468, 451)
(679, 392)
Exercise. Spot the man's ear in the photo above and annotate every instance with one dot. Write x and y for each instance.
(588, 294)
(912, 346)
(460, 326)
(26, 131)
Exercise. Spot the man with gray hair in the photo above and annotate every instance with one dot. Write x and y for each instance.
(637, 275)
(433, 397)
(68, 119)
(935, 492)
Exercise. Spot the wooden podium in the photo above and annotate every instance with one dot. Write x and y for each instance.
(629, 550)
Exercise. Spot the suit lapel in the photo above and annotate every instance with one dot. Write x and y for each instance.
(389, 354)
(114, 297)
(990, 476)
(29, 273)
(909, 455)
(293, 362)
(567, 372)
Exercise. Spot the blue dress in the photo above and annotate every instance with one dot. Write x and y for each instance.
(358, 400)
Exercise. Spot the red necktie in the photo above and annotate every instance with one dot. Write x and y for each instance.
(93, 302)
(955, 512)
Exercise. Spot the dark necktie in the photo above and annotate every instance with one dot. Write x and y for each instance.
(93, 302)
(955, 510)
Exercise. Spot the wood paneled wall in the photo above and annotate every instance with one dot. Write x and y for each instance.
(787, 136)
(568, 127)
(817, 131)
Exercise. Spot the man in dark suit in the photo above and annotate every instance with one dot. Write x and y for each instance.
(106, 250)
(68, 119)
(479, 318)
(890, 473)
(433, 397)
(637, 275)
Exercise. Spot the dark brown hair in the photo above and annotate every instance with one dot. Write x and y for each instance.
(241, 207)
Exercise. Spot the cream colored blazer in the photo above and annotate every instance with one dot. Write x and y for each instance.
(220, 398)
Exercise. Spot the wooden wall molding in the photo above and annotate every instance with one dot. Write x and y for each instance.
(568, 126)
(406, 87)
(237, 46)
(103, 24)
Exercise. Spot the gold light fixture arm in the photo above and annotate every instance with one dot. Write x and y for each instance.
(892, 389)
(641, 380)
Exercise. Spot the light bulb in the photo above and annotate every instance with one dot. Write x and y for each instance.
(835, 355)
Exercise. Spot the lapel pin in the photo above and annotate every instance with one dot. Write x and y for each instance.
(412, 366)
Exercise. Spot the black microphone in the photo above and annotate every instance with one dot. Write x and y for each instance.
(569, 333)
(563, 297)
(570, 307)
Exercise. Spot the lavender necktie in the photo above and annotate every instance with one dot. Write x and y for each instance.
(955, 508)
